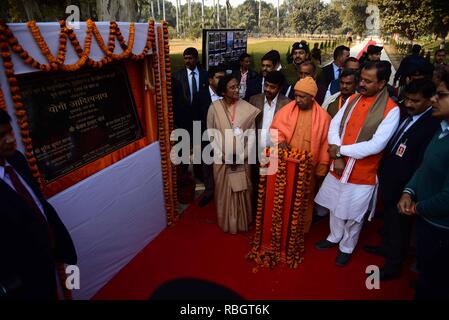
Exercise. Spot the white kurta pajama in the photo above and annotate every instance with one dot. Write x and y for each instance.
(348, 202)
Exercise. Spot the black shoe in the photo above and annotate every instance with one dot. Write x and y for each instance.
(376, 250)
(388, 274)
(204, 201)
(324, 244)
(343, 258)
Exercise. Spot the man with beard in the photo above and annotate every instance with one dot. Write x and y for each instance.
(303, 125)
(357, 136)
(300, 53)
(255, 85)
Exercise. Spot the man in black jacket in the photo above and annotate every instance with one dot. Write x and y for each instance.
(206, 97)
(402, 157)
(188, 85)
(331, 71)
(32, 237)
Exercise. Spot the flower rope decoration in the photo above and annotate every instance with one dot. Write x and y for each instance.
(254, 252)
(295, 239)
(166, 136)
(163, 137)
(171, 125)
(165, 118)
(7, 39)
(295, 236)
(2, 101)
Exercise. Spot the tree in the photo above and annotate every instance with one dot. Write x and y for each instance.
(409, 18)
(329, 19)
(355, 15)
(245, 16)
(303, 15)
(440, 11)
(117, 10)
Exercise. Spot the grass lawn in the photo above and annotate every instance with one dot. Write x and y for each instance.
(256, 47)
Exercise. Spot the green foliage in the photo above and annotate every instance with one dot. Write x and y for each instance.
(410, 18)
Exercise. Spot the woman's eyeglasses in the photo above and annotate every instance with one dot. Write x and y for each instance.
(442, 94)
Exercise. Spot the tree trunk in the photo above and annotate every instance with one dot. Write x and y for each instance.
(163, 10)
(202, 14)
(31, 10)
(227, 17)
(260, 8)
(177, 17)
(117, 10)
(277, 19)
(218, 14)
(158, 8)
(152, 9)
(189, 12)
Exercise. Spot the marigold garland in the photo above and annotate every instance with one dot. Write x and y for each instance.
(171, 125)
(253, 254)
(295, 237)
(295, 240)
(2, 101)
(165, 117)
(163, 129)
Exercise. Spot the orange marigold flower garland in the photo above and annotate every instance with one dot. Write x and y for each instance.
(83, 54)
(168, 79)
(2, 100)
(295, 236)
(127, 48)
(165, 117)
(162, 132)
(7, 37)
(295, 241)
(254, 252)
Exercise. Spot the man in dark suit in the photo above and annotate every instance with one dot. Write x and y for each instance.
(402, 157)
(188, 83)
(206, 98)
(32, 237)
(269, 102)
(331, 71)
(255, 85)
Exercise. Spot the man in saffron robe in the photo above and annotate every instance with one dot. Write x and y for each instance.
(303, 124)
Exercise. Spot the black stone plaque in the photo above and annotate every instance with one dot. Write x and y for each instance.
(78, 117)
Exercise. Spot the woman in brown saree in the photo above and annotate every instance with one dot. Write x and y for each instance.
(232, 118)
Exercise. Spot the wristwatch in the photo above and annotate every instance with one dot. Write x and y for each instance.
(338, 154)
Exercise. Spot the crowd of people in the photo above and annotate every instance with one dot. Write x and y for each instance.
(374, 143)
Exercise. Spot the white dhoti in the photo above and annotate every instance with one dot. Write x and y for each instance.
(348, 203)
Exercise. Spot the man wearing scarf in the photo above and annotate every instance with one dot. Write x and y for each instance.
(357, 137)
(303, 124)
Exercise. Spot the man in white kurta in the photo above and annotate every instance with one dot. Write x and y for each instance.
(357, 136)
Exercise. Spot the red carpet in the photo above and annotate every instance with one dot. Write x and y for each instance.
(196, 247)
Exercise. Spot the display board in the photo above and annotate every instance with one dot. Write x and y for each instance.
(76, 118)
(223, 46)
